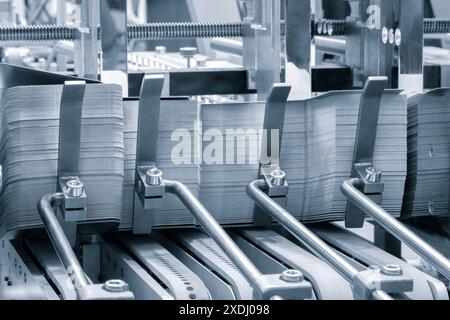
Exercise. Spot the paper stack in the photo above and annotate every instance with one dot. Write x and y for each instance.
(427, 184)
(29, 152)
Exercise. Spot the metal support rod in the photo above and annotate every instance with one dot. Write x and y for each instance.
(62, 246)
(213, 228)
(306, 236)
(397, 229)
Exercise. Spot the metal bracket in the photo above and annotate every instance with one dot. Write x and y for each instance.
(291, 285)
(389, 278)
(111, 290)
(73, 207)
(269, 165)
(149, 188)
(363, 168)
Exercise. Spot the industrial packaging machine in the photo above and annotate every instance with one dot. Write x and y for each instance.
(281, 153)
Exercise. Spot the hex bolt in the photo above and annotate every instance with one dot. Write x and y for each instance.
(116, 286)
(188, 53)
(278, 178)
(391, 270)
(75, 188)
(373, 175)
(292, 275)
(154, 177)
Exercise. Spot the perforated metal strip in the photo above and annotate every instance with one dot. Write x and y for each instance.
(180, 280)
(205, 249)
(21, 279)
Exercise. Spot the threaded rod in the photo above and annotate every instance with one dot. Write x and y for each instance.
(184, 30)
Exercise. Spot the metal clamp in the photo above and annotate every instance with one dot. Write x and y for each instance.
(389, 279)
(150, 187)
(73, 208)
(363, 168)
(269, 163)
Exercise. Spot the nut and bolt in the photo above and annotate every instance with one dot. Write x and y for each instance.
(292, 276)
(116, 286)
(75, 188)
(154, 177)
(188, 53)
(373, 175)
(278, 178)
(391, 270)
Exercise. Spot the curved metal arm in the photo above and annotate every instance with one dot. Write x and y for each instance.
(306, 236)
(213, 228)
(397, 229)
(264, 286)
(62, 246)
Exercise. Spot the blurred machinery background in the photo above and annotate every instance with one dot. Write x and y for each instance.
(374, 61)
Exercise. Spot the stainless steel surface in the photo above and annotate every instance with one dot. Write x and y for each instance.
(87, 49)
(70, 128)
(114, 37)
(396, 228)
(411, 49)
(148, 125)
